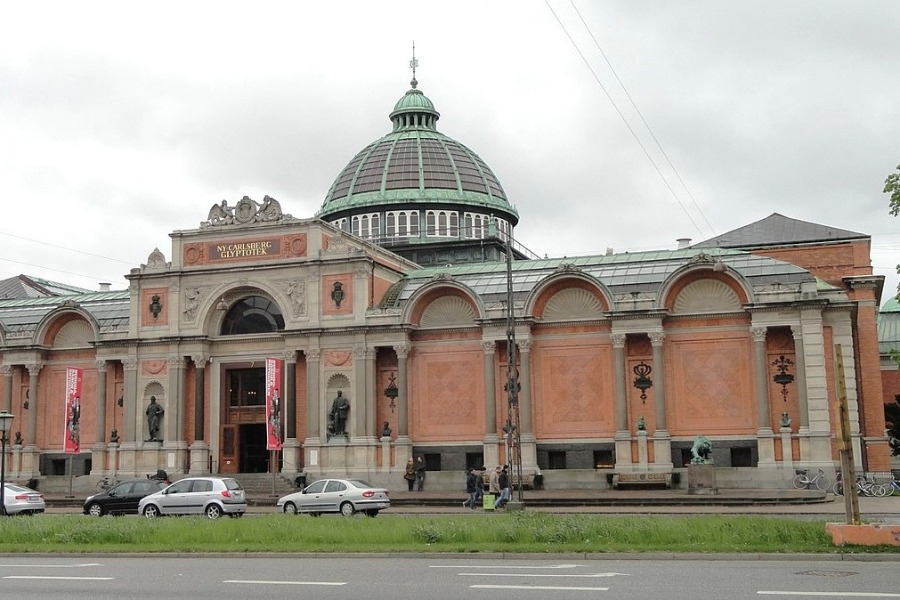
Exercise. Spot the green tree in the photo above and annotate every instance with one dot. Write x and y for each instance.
(892, 187)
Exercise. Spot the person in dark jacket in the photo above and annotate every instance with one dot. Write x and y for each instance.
(503, 484)
(420, 474)
(471, 489)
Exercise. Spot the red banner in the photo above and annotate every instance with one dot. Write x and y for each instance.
(72, 433)
(274, 405)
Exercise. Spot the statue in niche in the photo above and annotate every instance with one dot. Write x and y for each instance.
(340, 408)
(154, 414)
(386, 430)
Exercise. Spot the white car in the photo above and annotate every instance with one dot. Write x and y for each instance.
(20, 500)
(345, 496)
(210, 496)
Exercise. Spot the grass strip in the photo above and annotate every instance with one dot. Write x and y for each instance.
(513, 532)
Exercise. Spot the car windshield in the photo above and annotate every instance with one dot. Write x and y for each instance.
(16, 488)
(233, 484)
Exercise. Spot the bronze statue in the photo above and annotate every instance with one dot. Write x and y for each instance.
(386, 430)
(154, 413)
(339, 410)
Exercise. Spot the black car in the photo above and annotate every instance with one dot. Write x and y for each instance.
(122, 498)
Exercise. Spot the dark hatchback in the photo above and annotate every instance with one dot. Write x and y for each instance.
(123, 498)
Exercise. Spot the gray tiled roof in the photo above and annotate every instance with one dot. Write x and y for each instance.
(633, 272)
(776, 230)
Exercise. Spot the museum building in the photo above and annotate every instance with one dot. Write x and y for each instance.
(397, 295)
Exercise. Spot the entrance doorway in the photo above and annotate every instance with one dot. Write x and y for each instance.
(243, 439)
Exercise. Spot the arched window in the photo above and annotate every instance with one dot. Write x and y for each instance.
(253, 314)
(391, 221)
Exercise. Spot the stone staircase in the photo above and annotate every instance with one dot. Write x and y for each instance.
(263, 487)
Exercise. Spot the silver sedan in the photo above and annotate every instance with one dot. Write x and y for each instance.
(345, 496)
(20, 500)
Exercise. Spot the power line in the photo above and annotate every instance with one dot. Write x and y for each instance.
(92, 277)
(624, 120)
(65, 248)
(643, 120)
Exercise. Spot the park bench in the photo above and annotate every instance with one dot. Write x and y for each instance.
(643, 481)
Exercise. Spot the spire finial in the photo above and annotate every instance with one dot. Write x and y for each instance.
(412, 65)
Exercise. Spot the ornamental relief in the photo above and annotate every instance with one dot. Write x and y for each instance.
(337, 358)
(193, 297)
(296, 294)
(154, 367)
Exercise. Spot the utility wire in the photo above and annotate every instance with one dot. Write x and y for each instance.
(65, 248)
(624, 120)
(643, 120)
(92, 277)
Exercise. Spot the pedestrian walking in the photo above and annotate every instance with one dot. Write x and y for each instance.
(479, 486)
(471, 489)
(503, 482)
(410, 474)
(420, 474)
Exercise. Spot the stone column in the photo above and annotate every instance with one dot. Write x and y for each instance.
(290, 448)
(33, 370)
(402, 394)
(199, 451)
(130, 431)
(7, 387)
(358, 411)
(765, 437)
(313, 427)
(623, 436)
(371, 395)
(662, 441)
(173, 424)
(403, 445)
(98, 450)
(490, 445)
(199, 396)
(800, 379)
(290, 396)
(528, 446)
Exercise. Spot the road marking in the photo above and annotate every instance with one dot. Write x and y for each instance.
(831, 594)
(502, 567)
(539, 587)
(266, 582)
(51, 566)
(62, 578)
(586, 575)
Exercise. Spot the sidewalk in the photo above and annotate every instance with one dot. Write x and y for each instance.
(790, 503)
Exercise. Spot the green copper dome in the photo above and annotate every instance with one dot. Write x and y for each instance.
(415, 166)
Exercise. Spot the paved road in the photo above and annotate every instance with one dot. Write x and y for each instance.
(440, 577)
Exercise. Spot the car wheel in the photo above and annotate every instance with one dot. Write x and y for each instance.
(213, 511)
(347, 509)
(372, 512)
(151, 511)
(95, 510)
(290, 508)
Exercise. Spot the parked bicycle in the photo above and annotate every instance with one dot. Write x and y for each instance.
(805, 480)
(864, 487)
(108, 481)
(891, 487)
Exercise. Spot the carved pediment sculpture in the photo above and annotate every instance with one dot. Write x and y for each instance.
(246, 211)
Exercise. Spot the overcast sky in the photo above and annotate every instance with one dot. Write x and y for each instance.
(123, 121)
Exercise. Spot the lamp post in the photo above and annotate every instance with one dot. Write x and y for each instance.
(5, 425)
(512, 428)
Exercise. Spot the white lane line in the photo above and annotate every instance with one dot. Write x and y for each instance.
(51, 566)
(265, 582)
(503, 567)
(62, 578)
(539, 587)
(831, 594)
(586, 575)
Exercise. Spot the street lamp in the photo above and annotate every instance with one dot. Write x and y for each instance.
(5, 425)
